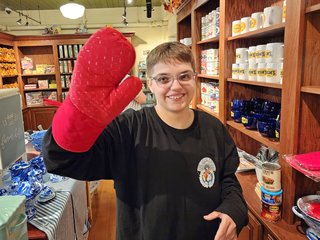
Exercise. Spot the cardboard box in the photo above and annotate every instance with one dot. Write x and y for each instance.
(43, 83)
(34, 99)
(52, 95)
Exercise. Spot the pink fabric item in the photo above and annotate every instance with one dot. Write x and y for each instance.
(95, 97)
(309, 161)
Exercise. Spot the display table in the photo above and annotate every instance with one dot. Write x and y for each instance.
(65, 216)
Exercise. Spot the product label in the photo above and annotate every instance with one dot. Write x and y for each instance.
(236, 28)
(261, 72)
(253, 23)
(260, 54)
(252, 54)
(252, 72)
(267, 54)
(271, 72)
(244, 120)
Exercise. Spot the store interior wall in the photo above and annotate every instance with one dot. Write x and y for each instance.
(149, 32)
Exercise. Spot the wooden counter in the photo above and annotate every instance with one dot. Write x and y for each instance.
(281, 230)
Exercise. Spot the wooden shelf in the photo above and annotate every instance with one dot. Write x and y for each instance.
(66, 73)
(11, 76)
(208, 76)
(254, 135)
(282, 230)
(255, 83)
(311, 89)
(209, 40)
(38, 74)
(39, 89)
(74, 58)
(208, 110)
(261, 33)
(313, 8)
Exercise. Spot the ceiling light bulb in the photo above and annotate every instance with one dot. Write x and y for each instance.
(72, 10)
(19, 21)
(129, 1)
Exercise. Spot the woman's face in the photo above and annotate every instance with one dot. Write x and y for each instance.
(172, 96)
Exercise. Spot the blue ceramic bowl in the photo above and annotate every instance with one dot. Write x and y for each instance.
(257, 104)
(250, 121)
(236, 104)
(37, 140)
(266, 127)
(271, 108)
(236, 115)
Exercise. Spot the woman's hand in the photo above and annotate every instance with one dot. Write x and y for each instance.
(227, 229)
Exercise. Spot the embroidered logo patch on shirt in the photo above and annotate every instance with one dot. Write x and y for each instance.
(206, 169)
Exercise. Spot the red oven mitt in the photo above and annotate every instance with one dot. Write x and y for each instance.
(95, 97)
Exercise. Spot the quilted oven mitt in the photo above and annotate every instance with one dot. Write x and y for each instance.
(95, 97)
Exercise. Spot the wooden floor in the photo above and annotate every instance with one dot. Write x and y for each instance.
(103, 226)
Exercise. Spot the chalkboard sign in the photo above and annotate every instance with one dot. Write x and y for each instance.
(12, 144)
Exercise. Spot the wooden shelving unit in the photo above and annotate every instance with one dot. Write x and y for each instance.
(261, 33)
(210, 40)
(298, 94)
(255, 83)
(208, 110)
(311, 89)
(208, 76)
(255, 135)
(314, 8)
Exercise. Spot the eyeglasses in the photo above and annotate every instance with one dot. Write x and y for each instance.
(166, 81)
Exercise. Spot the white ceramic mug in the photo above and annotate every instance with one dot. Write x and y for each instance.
(274, 52)
(272, 16)
(243, 71)
(252, 54)
(252, 71)
(241, 55)
(235, 71)
(260, 53)
(245, 25)
(284, 10)
(236, 27)
(256, 21)
(261, 72)
(273, 72)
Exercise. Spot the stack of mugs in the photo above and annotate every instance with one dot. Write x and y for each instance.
(270, 16)
(262, 63)
(210, 95)
(210, 24)
(210, 61)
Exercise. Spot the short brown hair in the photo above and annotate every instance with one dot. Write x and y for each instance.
(169, 52)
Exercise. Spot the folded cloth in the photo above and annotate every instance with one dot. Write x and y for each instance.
(49, 214)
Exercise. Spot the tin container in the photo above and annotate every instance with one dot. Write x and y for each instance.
(271, 176)
(271, 205)
(271, 213)
(272, 198)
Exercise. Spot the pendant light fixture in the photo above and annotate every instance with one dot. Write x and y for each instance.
(72, 10)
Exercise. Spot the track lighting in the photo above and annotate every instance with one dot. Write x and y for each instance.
(8, 10)
(21, 14)
(124, 15)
